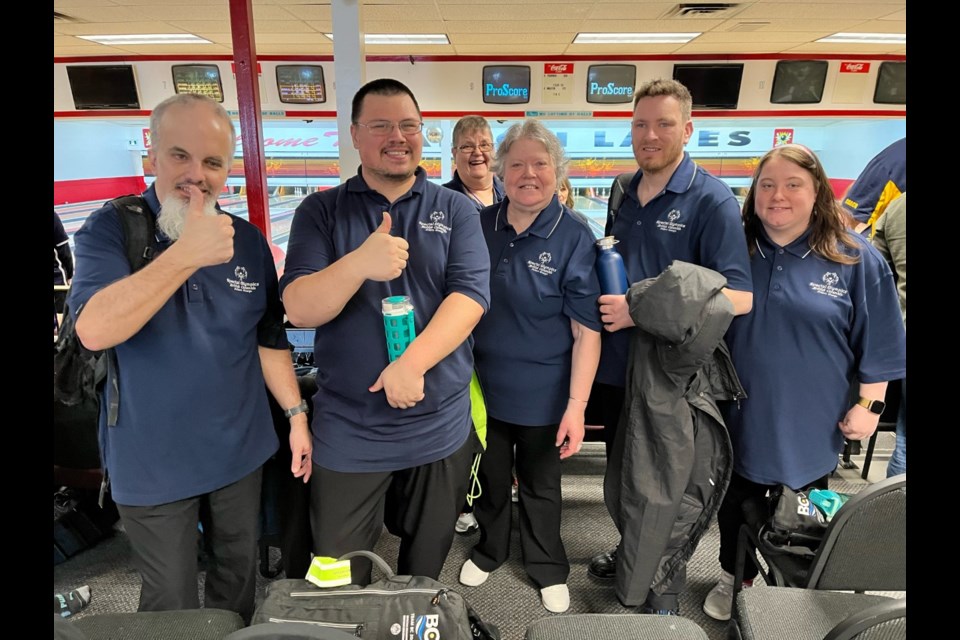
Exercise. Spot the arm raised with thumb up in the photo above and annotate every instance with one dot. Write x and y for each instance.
(206, 240)
(315, 299)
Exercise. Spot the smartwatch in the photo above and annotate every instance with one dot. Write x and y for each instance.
(873, 406)
(302, 408)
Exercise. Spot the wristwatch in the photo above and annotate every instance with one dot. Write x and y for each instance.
(873, 406)
(302, 408)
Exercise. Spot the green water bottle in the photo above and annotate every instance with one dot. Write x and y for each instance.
(398, 324)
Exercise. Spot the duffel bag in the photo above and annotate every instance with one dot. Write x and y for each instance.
(393, 608)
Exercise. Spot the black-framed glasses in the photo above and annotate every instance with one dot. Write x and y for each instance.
(485, 147)
(385, 127)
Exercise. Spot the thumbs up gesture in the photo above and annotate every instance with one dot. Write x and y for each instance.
(206, 239)
(383, 256)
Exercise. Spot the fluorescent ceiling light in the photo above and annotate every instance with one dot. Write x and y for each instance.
(867, 38)
(148, 38)
(402, 38)
(633, 38)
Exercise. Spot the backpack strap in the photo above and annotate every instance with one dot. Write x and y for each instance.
(617, 190)
(140, 240)
(139, 230)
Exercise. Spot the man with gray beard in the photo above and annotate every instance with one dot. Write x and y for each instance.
(196, 332)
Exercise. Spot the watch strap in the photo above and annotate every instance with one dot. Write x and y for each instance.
(873, 406)
(300, 408)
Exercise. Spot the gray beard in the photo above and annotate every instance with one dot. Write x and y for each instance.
(173, 214)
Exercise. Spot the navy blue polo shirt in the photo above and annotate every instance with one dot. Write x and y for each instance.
(540, 279)
(355, 430)
(193, 413)
(695, 219)
(816, 327)
(457, 185)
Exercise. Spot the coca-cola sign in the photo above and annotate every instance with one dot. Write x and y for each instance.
(854, 67)
(558, 67)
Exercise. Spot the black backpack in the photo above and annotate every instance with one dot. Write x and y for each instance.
(78, 373)
(619, 187)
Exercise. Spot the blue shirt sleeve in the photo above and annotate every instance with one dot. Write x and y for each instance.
(468, 263)
(310, 247)
(877, 336)
(581, 287)
(101, 257)
(723, 245)
(270, 331)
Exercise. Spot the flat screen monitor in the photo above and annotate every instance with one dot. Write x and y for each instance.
(301, 340)
(799, 82)
(506, 84)
(611, 83)
(103, 87)
(713, 86)
(201, 79)
(301, 83)
(891, 83)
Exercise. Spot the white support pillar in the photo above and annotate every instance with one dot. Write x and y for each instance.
(350, 69)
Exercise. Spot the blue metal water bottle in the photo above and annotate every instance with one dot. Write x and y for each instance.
(398, 324)
(610, 269)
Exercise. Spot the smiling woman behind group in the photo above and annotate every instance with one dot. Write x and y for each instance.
(472, 156)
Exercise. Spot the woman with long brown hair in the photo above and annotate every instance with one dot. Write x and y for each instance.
(825, 316)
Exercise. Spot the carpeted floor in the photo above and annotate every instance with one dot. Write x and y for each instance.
(508, 599)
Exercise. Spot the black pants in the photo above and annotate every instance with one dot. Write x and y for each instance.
(538, 473)
(605, 407)
(419, 505)
(730, 517)
(164, 542)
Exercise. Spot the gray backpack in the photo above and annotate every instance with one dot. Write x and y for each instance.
(393, 607)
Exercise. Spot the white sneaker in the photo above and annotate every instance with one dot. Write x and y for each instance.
(556, 598)
(472, 575)
(719, 601)
(466, 523)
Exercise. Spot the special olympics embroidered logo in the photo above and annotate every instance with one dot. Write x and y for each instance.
(436, 223)
(829, 287)
(670, 225)
(545, 257)
(240, 284)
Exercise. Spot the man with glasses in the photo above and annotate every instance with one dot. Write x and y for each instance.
(393, 441)
(472, 155)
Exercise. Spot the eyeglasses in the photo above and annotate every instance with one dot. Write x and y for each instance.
(470, 148)
(385, 128)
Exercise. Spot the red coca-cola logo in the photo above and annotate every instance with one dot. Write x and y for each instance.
(854, 67)
(555, 67)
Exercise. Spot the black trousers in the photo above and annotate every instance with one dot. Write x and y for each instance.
(604, 407)
(730, 518)
(164, 542)
(538, 473)
(420, 505)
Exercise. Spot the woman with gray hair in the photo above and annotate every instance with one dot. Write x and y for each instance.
(472, 157)
(536, 354)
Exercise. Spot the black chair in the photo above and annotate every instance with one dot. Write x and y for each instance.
(614, 626)
(190, 624)
(808, 614)
(852, 556)
(864, 549)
